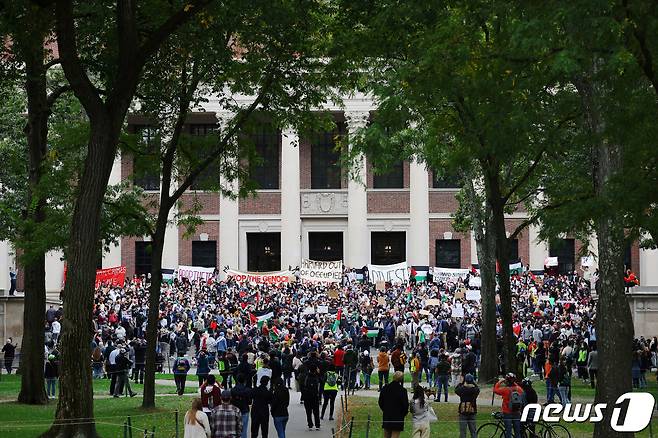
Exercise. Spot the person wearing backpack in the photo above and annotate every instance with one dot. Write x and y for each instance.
(181, 367)
(512, 404)
(311, 396)
(468, 393)
(329, 392)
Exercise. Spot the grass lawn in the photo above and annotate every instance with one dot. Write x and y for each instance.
(447, 425)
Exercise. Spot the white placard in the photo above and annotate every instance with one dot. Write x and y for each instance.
(195, 273)
(473, 295)
(551, 261)
(321, 271)
(427, 329)
(458, 311)
(444, 275)
(398, 273)
(475, 282)
(322, 309)
(259, 277)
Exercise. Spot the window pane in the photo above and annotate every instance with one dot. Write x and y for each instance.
(325, 246)
(209, 178)
(513, 250)
(204, 254)
(266, 145)
(325, 160)
(142, 258)
(146, 167)
(263, 252)
(445, 181)
(387, 248)
(393, 179)
(564, 250)
(448, 253)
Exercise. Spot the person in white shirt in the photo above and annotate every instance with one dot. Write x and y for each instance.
(56, 329)
(196, 421)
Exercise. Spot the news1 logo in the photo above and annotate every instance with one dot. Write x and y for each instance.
(630, 413)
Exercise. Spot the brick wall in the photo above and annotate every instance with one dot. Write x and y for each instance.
(523, 238)
(209, 202)
(388, 201)
(211, 228)
(440, 226)
(443, 201)
(263, 203)
(128, 254)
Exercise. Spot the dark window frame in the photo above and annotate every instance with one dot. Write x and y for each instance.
(142, 254)
(560, 248)
(267, 145)
(259, 261)
(392, 179)
(204, 182)
(455, 260)
(449, 182)
(326, 171)
(398, 238)
(204, 253)
(147, 181)
(321, 238)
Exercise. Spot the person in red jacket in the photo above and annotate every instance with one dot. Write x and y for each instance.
(512, 395)
(339, 361)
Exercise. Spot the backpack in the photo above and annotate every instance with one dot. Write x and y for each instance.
(181, 366)
(332, 378)
(434, 361)
(403, 358)
(515, 401)
(311, 381)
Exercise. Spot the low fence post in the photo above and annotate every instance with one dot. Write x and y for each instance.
(146, 433)
(130, 427)
(125, 429)
(368, 426)
(351, 426)
(176, 423)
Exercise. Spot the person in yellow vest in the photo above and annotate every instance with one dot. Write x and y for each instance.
(330, 391)
(414, 369)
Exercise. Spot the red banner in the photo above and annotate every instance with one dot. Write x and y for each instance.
(111, 276)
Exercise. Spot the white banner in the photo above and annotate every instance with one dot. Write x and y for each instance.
(322, 309)
(475, 282)
(398, 273)
(319, 271)
(458, 311)
(259, 277)
(195, 273)
(444, 275)
(551, 261)
(473, 295)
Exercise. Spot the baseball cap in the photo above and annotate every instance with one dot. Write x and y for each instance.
(468, 378)
(226, 394)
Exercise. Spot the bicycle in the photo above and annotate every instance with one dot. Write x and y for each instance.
(540, 429)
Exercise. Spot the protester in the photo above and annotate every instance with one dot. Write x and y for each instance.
(9, 350)
(226, 420)
(210, 393)
(468, 392)
(181, 367)
(394, 403)
(330, 390)
(512, 404)
(593, 366)
(51, 374)
(196, 422)
(280, 402)
(421, 414)
(241, 399)
(260, 410)
(311, 396)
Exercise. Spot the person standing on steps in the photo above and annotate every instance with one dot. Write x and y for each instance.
(394, 403)
(468, 392)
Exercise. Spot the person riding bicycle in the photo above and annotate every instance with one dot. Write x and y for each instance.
(512, 404)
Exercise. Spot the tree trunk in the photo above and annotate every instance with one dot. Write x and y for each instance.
(75, 409)
(499, 238)
(614, 324)
(34, 304)
(157, 246)
(480, 218)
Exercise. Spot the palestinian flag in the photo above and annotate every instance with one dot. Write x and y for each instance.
(337, 322)
(168, 275)
(260, 317)
(275, 334)
(372, 332)
(515, 268)
(419, 273)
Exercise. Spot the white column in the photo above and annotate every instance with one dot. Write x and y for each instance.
(474, 250)
(54, 271)
(170, 247)
(5, 264)
(228, 218)
(358, 235)
(538, 249)
(291, 223)
(648, 267)
(419, 218)
(112, 257)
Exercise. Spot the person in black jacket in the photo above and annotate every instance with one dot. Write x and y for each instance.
(311, 397)
(122, 367)
(9, 350)
(140, 361)
(468, 393)
(241, 399)
(51, 373)
(280, 402)
(260, 409)
(394, 403)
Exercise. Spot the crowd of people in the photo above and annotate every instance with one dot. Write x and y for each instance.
(248, 344)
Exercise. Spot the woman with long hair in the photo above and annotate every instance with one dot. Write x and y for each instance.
(421, 414)
(196, 421)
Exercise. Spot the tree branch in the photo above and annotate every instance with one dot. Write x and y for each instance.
(525, 176)
(54, 95)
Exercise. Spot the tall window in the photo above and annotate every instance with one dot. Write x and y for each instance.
(326, 246)
(513, 250)
(445, 181)
(564, 250)
(392, 179)
(209, 178)
(204, 253)
(628, 257)
(325, 160)
(448, 253)
(146, 166)
(266, 145)
(387, 248)
(142, 258)
(263, 252)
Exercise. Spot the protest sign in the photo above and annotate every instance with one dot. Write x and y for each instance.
(380, 285)
(333, 293)
(321, 271)
(424, 312)
(427, 329)
(475, 282)
(432, 302)
(551, 261)
(459, 295)
(381, 301)
(322, 309)
(397, 273)
(259, 277)
(444, 275)
(458, 311)
(193, 273)
(473, 295)
(111, 276)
